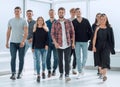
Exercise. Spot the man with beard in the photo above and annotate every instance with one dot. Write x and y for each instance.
(63, 37)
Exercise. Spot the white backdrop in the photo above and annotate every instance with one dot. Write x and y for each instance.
(6, 13)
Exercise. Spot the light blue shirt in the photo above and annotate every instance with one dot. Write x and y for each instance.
(17, 29)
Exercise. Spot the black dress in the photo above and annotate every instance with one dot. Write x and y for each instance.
(102, 54)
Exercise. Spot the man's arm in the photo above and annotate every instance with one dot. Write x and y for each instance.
(8, 37)
(24, 37)
(72, 35)
(53, 31)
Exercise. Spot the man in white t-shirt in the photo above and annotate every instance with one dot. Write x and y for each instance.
(17, 30)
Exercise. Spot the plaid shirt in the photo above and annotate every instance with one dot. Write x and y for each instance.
(56, 32)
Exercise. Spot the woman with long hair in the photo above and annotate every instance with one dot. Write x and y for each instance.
(40, 45)
(94, 26)
(103, 44)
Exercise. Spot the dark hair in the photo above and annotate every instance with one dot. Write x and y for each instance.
(40, 18)
(29, 10)
(72, 9)
(77, 9)
(61, 8)
(51, 10)
(96, 18)
(107, 22)
(17, 8)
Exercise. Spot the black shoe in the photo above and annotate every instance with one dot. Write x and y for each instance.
(98, 74)
(19, 76)
(38, 78)
(49, 74)
(13, 77)
(53, 73)
(43, 75)
(104, 78)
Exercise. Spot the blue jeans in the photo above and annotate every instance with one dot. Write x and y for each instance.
(55, 56)
(14, 47)
(81, 56)
(27, 46)
(40, 54)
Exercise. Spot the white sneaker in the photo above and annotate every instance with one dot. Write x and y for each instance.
(74, 72)
(35, 73)
(61, 76)
(67, 79)
(80, 75)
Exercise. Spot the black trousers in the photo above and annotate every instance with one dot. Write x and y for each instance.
(74, 58)
(67, 53)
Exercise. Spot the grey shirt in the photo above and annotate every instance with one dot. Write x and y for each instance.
(17, 29)
(30, 29)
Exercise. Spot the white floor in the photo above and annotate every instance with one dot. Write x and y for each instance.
(90, 79)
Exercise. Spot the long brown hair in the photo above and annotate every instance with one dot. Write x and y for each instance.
(96, 18)
(43, 25)
(107, 22)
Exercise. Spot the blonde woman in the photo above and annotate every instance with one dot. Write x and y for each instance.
(103, 44)
(40, 45)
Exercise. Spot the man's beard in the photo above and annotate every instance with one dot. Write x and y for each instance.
(52, 17)
(61, 17)
(78, 16)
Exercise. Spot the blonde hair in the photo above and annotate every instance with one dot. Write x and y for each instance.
(44, 26)
(72, 10)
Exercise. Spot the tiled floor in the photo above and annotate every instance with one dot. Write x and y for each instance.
(90, 79)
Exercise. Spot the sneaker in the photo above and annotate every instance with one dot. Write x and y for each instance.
(104, 78)
(13, 77)
(43, 75)
(19, 76)
(38, 78)
(49, 74)
(35, 73)
(61, 76)
(74, 72)
(67, 79)
(80, 75)
(53, 73)
(100, 76)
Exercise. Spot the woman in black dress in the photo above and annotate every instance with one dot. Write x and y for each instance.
(103, 44)
(94, 26)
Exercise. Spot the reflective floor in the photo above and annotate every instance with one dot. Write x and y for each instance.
(90, 79)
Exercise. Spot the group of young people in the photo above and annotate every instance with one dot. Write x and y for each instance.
(64, 37)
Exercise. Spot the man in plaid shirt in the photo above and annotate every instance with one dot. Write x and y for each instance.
(63, 37)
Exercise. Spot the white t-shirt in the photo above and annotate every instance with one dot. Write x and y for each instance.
(64, 38)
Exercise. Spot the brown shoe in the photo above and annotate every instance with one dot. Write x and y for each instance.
(104, 78)
(53, 73)
(74, 72)
(49, 74)
(38, 79)
(43, 75)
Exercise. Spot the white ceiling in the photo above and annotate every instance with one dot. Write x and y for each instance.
(59, 1)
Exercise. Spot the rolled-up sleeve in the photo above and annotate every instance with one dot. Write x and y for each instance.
(53, 31)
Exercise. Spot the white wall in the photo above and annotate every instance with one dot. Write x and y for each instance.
(39, 9)
(6, 12)
(69, 5)
(109, 7)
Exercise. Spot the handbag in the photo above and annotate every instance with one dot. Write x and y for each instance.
(90, 46)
